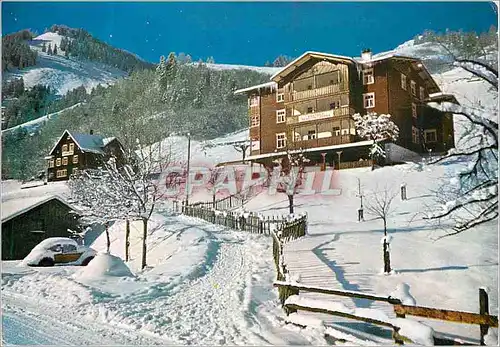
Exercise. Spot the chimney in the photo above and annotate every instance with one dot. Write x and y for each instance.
(366, 54)
(91, 132)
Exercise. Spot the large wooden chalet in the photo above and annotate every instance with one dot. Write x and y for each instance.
(309, 105)
(74, 152)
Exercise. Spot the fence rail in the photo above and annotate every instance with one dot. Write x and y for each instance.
(483, 319)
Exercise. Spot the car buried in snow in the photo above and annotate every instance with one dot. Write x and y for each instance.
(59, 251)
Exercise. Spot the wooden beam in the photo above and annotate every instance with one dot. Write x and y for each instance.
(341, 314)
(447, 315)
(351, 294)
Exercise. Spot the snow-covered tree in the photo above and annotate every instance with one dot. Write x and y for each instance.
(287, 175)
(376, 128)
(379, 204)
(49, 50)
(55, 50)
(130, 191)
(471, 197)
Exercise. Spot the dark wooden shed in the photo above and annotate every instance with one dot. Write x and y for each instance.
(27, 221)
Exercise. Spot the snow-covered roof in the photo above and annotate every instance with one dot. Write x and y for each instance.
(259, 86)
(346, 145)
(87, 142)
(354, 60)
(309, 54)
(15, 207)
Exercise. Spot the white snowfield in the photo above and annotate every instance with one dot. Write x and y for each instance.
(62, 74)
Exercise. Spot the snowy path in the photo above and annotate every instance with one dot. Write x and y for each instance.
(227, 298)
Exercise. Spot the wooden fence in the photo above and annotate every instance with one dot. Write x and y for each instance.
(483, 319)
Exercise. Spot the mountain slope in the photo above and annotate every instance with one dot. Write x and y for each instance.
(64, 74)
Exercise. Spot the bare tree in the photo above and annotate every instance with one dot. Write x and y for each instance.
(242, 148)
(471, 197)
(287, 175)
(380, 205)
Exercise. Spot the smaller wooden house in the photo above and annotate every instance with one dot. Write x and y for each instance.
(28, 221)
(76, 151)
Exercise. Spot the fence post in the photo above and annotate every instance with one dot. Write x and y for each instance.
(483, 309)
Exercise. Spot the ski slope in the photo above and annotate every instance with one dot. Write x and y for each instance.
(64, 74)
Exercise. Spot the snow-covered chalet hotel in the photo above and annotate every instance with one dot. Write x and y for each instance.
(73, 152)
(309, 105)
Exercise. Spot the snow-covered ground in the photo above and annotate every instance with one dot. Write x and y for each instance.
(64, 74)
(203, 285)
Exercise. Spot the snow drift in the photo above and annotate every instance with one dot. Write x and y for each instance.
(104, 265)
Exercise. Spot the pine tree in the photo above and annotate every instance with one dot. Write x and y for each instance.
(44, 48)
(49, 50)
(55, 49)
(161, 73)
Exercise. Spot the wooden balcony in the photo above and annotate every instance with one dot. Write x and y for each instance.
(338, 112)
(325, 141)
(317, 92)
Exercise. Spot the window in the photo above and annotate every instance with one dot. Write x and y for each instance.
(75, 159)
(71, 147)
(403, 81)
(255, 120)
(310, 110)
(281, 116)
(369, 100)
(368, 76)
(422, 93)
(65, 148)
(61, 173)
(65, 161)
(58, 162)
(55, 248)
(430, 135)
(253, 101)
(414, 110)
(415, 134)
(336, 131)
(280, 97)
(67, 248)
(413, 87)
(311, 134)
(309, 87)
(281, 140)
(51, 163)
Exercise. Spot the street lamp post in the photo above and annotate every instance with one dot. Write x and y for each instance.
(188, 160)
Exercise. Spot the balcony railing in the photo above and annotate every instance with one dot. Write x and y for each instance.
(325, 141)
(338, 112)
(317, 92)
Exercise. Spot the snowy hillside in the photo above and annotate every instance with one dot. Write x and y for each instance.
(64, 74)
(261, 69)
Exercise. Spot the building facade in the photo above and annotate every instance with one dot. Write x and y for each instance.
(309, 105)
(74, 152)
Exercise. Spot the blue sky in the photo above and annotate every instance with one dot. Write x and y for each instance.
(250, 33)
